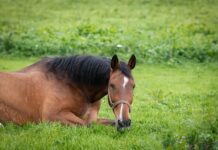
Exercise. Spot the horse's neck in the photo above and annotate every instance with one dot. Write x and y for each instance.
(95, 93)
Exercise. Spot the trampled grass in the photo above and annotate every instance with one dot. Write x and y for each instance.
(175, 107)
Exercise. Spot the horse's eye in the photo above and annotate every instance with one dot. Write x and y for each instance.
(133, 86)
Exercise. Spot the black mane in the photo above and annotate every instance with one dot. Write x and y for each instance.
(88, 70)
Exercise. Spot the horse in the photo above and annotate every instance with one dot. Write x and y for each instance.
(68, 90)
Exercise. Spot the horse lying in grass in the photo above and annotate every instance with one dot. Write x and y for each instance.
(68, 90)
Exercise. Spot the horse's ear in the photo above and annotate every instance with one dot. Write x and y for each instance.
(132, 62)
(114, 62)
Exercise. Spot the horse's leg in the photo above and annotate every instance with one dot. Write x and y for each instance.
(69, 118)
(66, 118)
(93, 112)
(53, 110)
(106, 121)
(93, 115)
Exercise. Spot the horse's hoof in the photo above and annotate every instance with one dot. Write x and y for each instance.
(1, 125)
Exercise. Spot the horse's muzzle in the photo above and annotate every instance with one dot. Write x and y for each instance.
(121, 125)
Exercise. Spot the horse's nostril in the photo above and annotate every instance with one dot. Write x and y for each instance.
(124, 123)
(121, 125)
(128, 122)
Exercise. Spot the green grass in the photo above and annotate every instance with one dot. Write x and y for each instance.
(155, 30)
(175, 103)
(175, 107)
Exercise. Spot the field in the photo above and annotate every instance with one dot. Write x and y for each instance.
(176, 45)
(175, 107)
(155, 30)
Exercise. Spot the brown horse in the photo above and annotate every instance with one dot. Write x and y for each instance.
(68, 90)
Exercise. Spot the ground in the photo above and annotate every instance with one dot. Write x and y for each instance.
(175, 107)
(176, 45)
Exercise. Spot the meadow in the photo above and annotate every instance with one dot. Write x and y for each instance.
(176, 45)
(175, 107)
(155, 30)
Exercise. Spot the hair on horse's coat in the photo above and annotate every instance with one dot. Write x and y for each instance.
(88, 70)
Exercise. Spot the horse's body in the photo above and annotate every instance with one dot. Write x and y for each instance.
(65, 89)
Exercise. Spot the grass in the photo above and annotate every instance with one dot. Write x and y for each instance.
(175, 107)
(155, 30)
(175, 104)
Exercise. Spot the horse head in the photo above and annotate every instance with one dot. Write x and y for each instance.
(120, 90)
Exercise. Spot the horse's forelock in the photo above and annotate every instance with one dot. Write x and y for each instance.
(125, 69)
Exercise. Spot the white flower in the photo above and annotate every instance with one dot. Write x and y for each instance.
(119, 46)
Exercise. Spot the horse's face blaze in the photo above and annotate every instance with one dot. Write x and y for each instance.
(120, 94)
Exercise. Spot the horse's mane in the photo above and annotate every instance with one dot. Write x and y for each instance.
(88, 70)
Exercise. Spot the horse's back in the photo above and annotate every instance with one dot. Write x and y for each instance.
(39, 66)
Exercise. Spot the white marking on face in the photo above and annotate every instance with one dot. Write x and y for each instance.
(121, 113)
(125, 81)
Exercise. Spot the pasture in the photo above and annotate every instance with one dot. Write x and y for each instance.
(176, 45)
(175, 107)
(156, 31)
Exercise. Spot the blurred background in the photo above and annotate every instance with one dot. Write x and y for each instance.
(155, 30)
